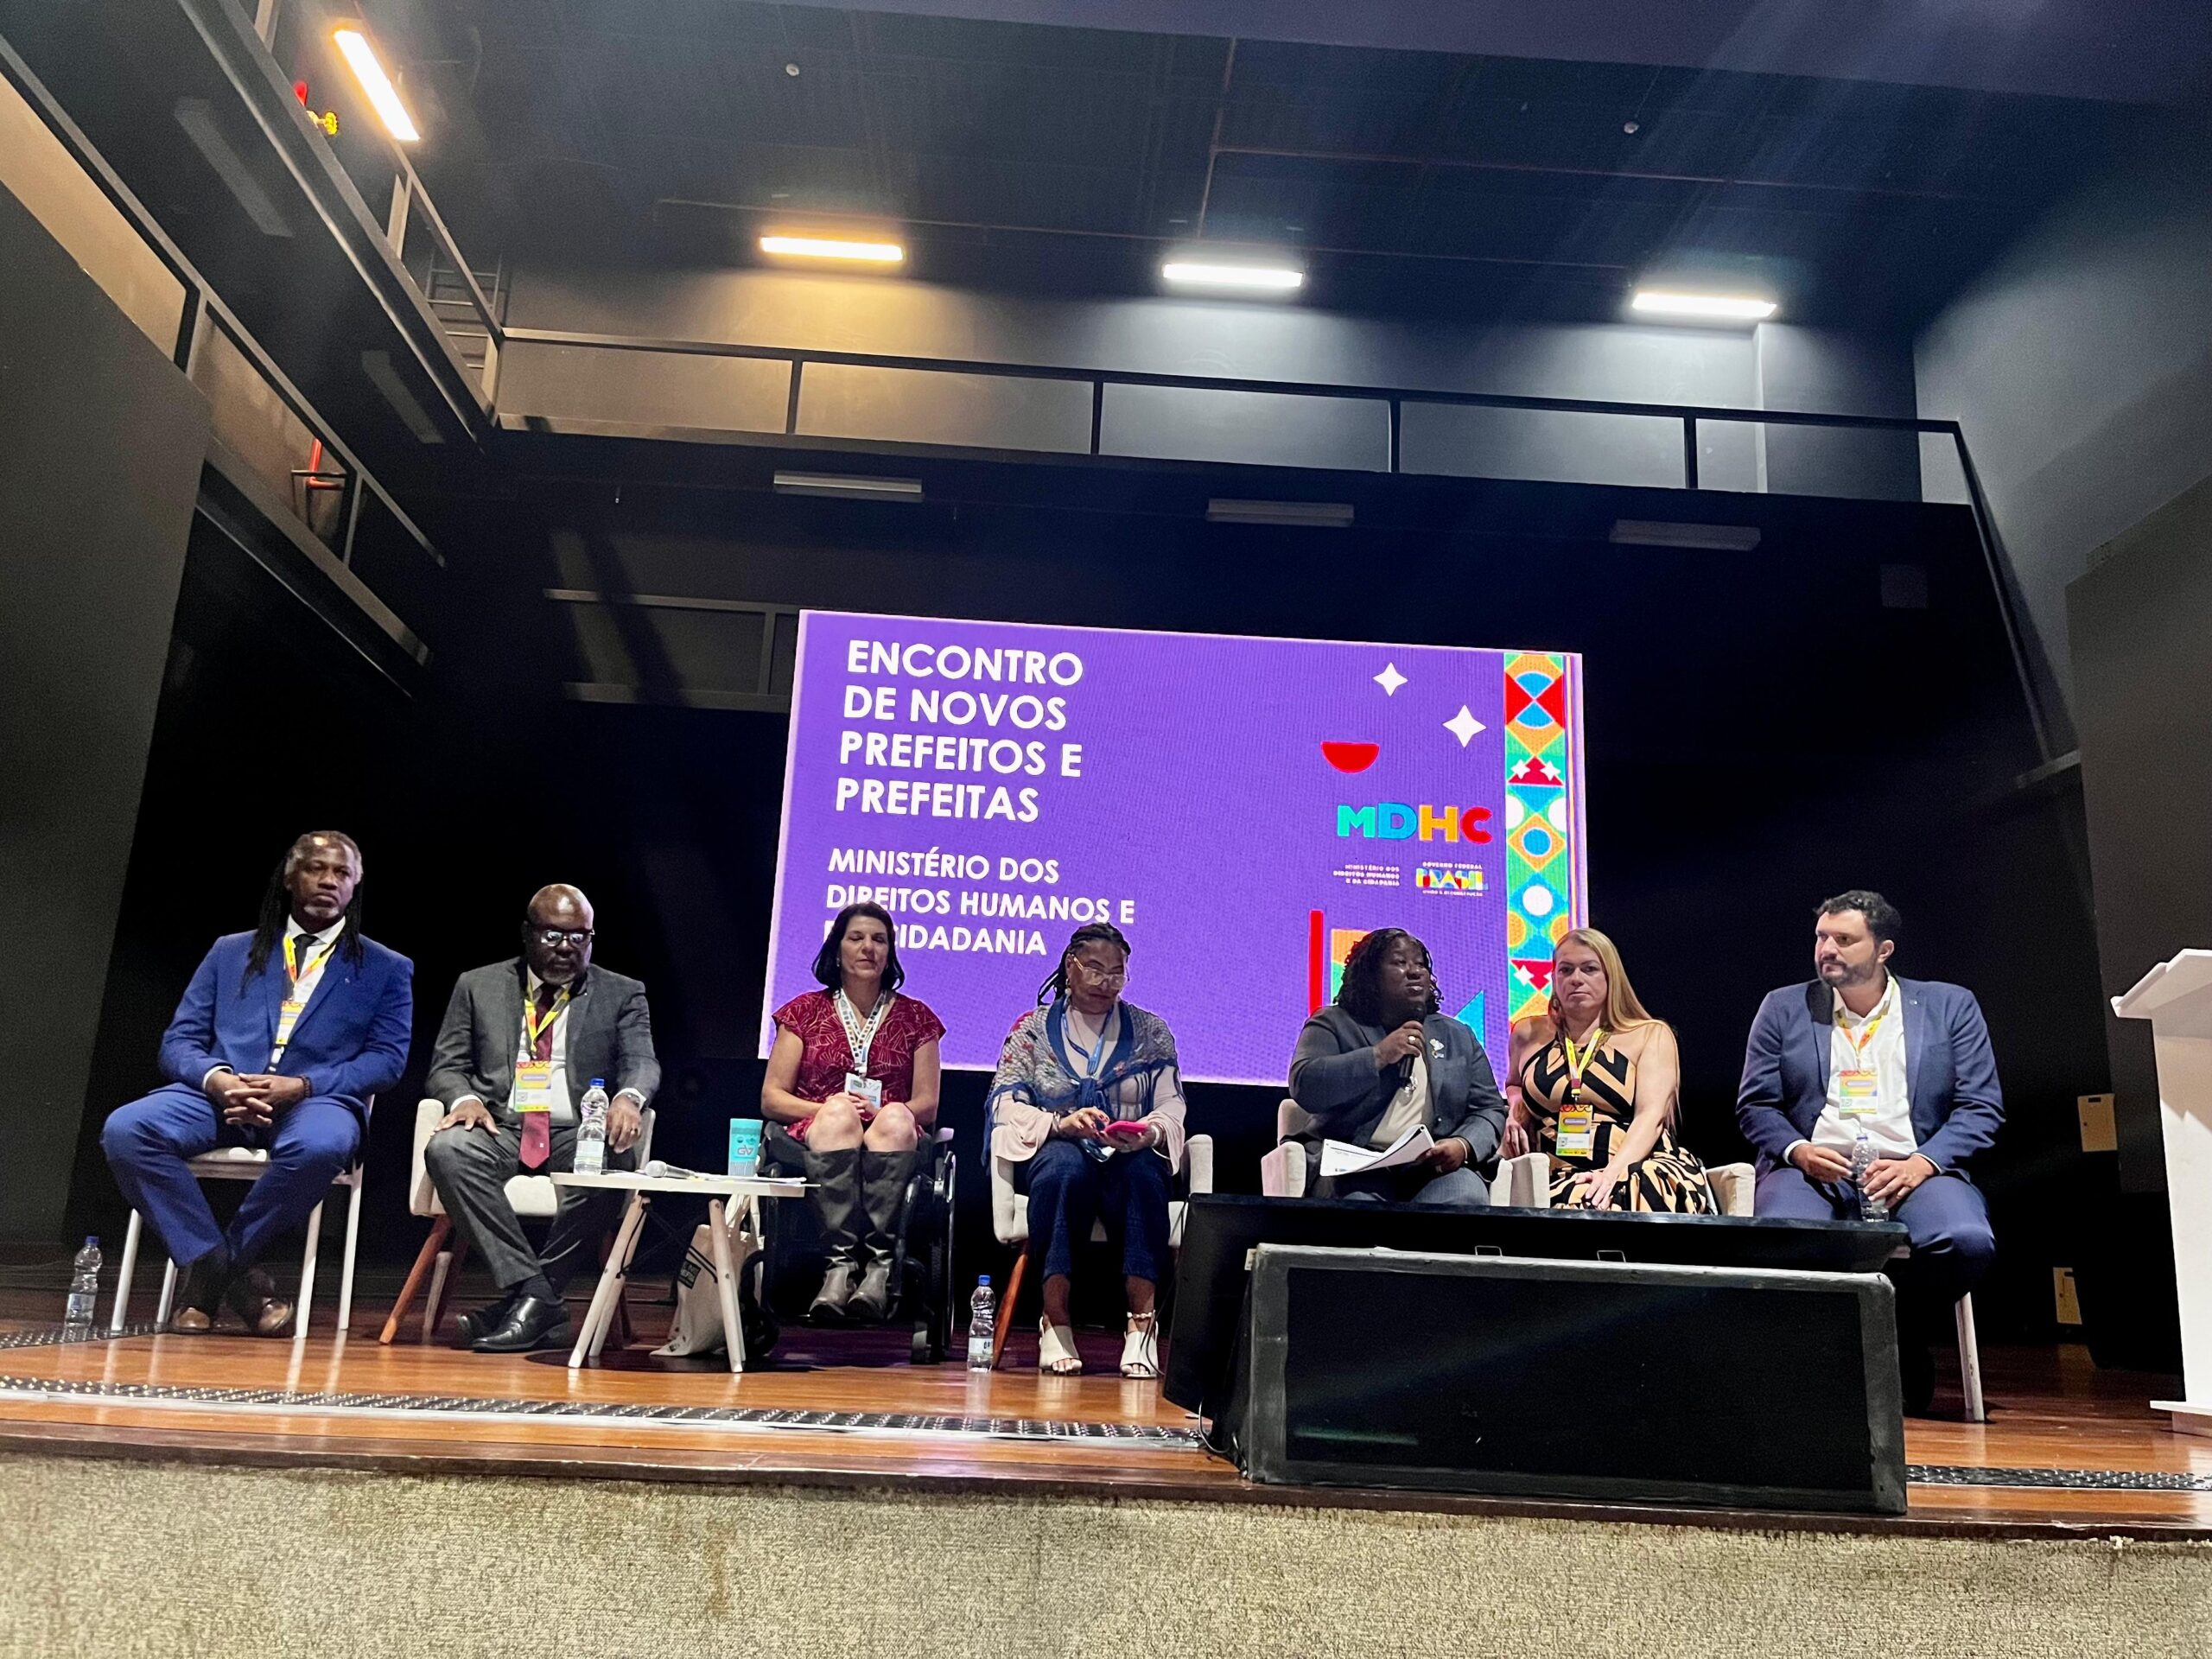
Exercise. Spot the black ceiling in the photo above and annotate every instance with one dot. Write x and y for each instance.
(1032, 155)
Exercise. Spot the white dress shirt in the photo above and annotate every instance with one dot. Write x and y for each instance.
(313, 951)
(1890, 1125)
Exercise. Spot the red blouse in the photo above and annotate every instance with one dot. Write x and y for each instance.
(825, 1055)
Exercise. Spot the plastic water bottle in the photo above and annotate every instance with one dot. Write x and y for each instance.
(1862, 1159)
(84, 1289)
(983, 1322)
(591, 1130)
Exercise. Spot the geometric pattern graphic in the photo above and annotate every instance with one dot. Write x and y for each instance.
(1541, 860)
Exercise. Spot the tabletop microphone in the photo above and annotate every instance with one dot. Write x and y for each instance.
(660, 1171)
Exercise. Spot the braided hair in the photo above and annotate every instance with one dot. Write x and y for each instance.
(1361, 994)
(277, 907)
(1090, 933)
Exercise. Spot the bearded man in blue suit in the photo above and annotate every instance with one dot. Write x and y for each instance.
(283, 1038)
(1907, 1064)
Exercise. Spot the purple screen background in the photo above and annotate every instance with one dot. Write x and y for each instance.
(1205, 801)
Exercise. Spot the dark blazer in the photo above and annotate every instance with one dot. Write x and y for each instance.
(608, 1031)
(349, 1043)
(1332, 1076)
(1950, 1072)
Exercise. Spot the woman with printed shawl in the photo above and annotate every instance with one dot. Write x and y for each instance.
(1088, 1107)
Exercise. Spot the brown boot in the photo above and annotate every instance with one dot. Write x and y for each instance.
(253, 1298)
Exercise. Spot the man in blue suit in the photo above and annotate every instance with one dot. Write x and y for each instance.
(1907, 1065)
(283, 1037)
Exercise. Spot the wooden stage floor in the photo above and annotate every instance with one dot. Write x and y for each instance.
(2067, 1448)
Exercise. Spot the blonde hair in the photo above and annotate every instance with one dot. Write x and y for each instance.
(1625, 1010)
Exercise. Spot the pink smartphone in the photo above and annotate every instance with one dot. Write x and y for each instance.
(1124, 1128)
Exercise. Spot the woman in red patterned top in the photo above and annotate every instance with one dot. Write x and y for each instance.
(851, 1090)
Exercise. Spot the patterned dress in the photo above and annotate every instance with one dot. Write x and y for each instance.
(826, 1054)
(1671, 1178)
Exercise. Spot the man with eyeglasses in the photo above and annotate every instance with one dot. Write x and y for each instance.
(521, 1042)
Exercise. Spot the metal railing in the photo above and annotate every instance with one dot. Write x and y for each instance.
(327, 466)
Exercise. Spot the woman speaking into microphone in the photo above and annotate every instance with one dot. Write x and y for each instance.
(1381, 1061)
(852, 1087)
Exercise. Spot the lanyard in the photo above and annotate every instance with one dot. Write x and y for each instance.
(1863, 1038)
(533, 1027)
(297, 970)
(1094, 1058)
(1579, 1063)
(860, 1036)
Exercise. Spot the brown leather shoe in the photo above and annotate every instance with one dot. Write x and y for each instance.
(252, 1296)
(200, 1292)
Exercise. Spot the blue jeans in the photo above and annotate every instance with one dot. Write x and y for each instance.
(1069, 1191)
(1464, 1188)
(309, 1146)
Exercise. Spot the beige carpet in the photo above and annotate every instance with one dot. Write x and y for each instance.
(105, 1557)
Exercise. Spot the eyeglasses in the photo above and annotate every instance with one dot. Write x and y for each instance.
(1115, 978)
(553, 937)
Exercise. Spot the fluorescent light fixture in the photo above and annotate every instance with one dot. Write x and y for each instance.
(1234, 278)
(1659, 532)
(383, 96)
(200, 125)
(831, 247)
(1717, 307)
(851, 486)
(385, 378)
(1311, 515)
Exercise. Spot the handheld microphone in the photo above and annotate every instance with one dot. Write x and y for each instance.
(660, 1170)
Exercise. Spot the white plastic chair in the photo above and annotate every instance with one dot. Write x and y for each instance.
(251, 1164)
(1010, 1222)
(534, 1197)
(1521, 1182)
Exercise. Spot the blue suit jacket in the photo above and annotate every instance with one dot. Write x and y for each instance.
(350, 1043)
(1950, 1072)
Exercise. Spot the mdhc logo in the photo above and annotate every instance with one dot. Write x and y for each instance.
(1395, 821)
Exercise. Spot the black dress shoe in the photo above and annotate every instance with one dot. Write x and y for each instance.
(532, 1323)
(480, 1322)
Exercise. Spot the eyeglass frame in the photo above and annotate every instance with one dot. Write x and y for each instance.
(553, 938)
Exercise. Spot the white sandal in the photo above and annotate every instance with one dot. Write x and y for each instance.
(1055, 1352)
(1140, 1347)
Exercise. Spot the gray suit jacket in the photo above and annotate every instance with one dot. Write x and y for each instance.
(1332, 1076)
(609, 1033)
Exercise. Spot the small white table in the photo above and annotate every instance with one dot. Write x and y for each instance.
(732, 1212)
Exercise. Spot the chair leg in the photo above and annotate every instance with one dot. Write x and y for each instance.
(623, 1335)
(130, 1265)
(306, 1274)
(440, 1226)
(1005, 1307)
(443, 1283)
(168, 1295)
(345, 1266)
(1970, 1361)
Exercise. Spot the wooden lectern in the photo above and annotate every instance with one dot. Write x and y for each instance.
(2176, 997)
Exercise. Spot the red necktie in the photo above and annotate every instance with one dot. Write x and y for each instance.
(538, 1127)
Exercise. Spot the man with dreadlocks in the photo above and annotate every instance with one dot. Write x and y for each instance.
(1382, 1060)
(283, 1038)
(1088, 1108)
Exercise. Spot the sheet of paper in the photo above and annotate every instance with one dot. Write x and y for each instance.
(1342, 1158)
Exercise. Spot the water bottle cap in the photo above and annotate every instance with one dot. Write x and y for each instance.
(983, 1283)
(599, 1083)
(92, 1238)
